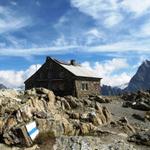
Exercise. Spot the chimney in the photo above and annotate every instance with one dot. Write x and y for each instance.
(73, 62)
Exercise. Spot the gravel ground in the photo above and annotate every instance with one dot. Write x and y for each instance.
(118, 111)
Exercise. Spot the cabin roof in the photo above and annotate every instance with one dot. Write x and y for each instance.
(78, 70)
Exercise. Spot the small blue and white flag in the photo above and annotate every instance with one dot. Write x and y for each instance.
(32, 130)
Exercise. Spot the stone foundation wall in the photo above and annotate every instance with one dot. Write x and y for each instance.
(93, 88)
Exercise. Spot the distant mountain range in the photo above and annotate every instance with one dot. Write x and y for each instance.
(140, 81)
(2, 86)
(108, 90)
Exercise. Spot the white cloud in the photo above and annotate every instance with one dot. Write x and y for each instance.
(62, 20)
(94, 8)
(106, 11)
(12, 24)
(108, 69)
(117, 80)
(93, 36)
(137, 6)
(61, 41)
(94, 32)
(113, 19)
(11, 21)
(14, 79)
(110, 11)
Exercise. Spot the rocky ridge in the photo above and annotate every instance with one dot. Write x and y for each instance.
(68, 122)
(55, 115)
(141, 80)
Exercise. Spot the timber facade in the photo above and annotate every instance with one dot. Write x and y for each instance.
(65, 79)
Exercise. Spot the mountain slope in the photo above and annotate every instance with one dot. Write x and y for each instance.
(110, 91)
(141, 80)
(2, 86)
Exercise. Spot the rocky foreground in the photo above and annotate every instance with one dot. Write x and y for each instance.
(68, 123)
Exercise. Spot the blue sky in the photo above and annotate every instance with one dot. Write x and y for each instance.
(110, 37)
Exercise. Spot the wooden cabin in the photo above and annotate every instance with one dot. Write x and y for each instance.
(65, 79)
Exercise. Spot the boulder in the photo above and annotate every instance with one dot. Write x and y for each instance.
(124, 124)
(102, 99)
(147, 115)
(51, 98)
(86, 102)
(94, 119)
(1, 125)
(141, 106)
(84, 117)
(73, 102)
(142, 138)
(86, 128)
(139, 117)
(65, 105)
(74, 115)
(127, 104)
(99, 99)
(41, 115)
(31, 92)
(139, 100)
(107, 114)
(42, 91)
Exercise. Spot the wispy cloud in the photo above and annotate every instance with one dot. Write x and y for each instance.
(61, 47)
(10, 21)
(101, 10)
(13, 3)
(122, 46)
(107, 8)
(36, 51)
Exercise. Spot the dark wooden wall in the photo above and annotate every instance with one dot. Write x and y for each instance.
(54, 77)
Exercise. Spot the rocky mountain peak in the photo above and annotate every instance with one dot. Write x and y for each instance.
(141, 80)
(145, 64)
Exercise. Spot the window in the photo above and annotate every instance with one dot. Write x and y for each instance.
(84, 86)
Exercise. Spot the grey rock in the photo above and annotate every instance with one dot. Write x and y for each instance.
(142, 138)
(141, 106)
(89, 143)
